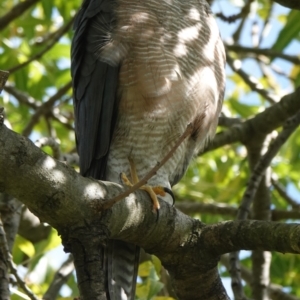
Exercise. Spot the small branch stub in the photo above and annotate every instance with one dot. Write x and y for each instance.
(1, 115)
(3, 78)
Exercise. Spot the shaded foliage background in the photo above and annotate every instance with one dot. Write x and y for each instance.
(262, 43)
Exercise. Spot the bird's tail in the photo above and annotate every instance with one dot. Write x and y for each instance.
(122, 266)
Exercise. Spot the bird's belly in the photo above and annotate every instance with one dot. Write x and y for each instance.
(146, 142)
(147, 136)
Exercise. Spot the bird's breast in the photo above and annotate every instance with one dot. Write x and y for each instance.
(171, 74)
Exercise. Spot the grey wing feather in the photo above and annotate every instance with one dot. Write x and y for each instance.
(95, 86)
(95, 103)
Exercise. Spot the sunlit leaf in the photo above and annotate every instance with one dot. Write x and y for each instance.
(289, 32)
(157, 264)
(145, 269)
(24, 245)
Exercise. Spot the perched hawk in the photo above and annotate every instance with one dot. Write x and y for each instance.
(142, 71)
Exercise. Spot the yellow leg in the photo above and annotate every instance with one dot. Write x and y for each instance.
(133, 172)
(152, 191)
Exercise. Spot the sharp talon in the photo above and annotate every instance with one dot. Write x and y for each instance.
(169, 191)
(152, 194)
(120, 177)
(157, 215)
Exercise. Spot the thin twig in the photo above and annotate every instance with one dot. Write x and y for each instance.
(60, 278)
(192, 208)
(15, 12)
(7, 256)
(235, 274)
(267, 52)
(22, 97)
(246, 10)
(251, 81)
(45, 108)
(230, 19)
(152, 172)
(266, 25)
(60, 32)
(281, 191)
(276, 291)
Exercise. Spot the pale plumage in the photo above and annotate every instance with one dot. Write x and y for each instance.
(160, 64)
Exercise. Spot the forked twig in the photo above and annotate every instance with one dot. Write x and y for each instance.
(152, 172)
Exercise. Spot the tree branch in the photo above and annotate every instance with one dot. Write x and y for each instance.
(15, 12)
(45, 108)
(73, 205)
(262, 124)
(261, 209)
(265, 52)
(3, 78)
(281, 191)
(264, 162)
(293, 4)
(60, 278)
(275, 291)
(251, 81)
(60, 32)
(192, 208)
(7, 256)
(22, 97)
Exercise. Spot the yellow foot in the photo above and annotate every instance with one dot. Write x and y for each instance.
(153, 191)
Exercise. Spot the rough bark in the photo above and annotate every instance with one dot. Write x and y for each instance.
(73, 204)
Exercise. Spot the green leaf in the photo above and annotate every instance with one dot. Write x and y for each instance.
(289, 32)
(149, 289)
(47, 7)
(154, 287)
(145, 268)
(24, 245)
(241, 109)
(157, 264)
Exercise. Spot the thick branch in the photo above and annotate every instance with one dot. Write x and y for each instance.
(261, 208)
(73, 205)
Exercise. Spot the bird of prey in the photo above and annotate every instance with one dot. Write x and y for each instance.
(143, 70)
